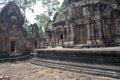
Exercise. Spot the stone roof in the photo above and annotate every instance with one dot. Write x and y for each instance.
(11, 19)
(11, 14)
(49, 26)
(59, 18)
(33, 30)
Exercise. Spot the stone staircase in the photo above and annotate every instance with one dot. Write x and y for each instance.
(99, 61)
(96, 69)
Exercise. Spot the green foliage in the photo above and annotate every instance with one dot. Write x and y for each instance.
(42, 20)
(51, 6)
(60, 9)
(26, 25)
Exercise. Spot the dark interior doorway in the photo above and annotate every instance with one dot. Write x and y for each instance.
(13, 46)
(35, 44)
(61, 36)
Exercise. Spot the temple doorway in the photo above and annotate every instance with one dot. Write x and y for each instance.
(35, 44)
(61, 36)
(61, 39)
(13, 46)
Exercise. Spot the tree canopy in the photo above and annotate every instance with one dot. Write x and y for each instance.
(42, 20)
(51, 6)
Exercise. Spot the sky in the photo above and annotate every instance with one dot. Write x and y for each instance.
(37, 10)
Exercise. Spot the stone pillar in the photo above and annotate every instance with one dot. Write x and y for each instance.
(89, 42)
(108, 29)
(90, 27)
(84, 34)
(97, 16)
(92, 34)
(69, 31)
(72, 32)
(99, 39)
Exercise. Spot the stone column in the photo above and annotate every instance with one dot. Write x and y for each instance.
(71, 34)
(89, 32)
(89, 42)
(92, 26)
(99, 26)
(108, 27)
(84, 35)
(99, 39)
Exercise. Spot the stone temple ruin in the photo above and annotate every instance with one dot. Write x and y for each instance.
(14, 38)
(83, 23)
(81, 28)
(33, 37)
(86, 23)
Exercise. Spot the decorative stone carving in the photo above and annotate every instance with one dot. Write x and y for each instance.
(34, 36)
(93, 23)
(13, 40)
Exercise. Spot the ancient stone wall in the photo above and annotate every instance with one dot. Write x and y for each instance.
(90, 23)
(33, 37)
(14, 36)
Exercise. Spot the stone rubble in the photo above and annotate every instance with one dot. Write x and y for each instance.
(4, 77)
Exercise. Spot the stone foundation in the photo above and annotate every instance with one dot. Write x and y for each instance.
(107, 56)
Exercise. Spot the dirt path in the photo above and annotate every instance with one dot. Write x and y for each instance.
(28, 71)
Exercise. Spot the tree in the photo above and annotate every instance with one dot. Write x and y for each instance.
(42, 20)
(51, 6)
(26, 25)
(60, 9)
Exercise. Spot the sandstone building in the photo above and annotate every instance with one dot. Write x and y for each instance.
(13, 36)
(87, 23)
(33, 37)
